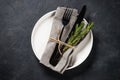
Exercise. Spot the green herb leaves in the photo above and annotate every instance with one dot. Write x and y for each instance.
(78, 34)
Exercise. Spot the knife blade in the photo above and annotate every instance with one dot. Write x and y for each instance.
(81, 15)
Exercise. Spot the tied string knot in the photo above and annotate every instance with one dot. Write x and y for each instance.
(59, 43)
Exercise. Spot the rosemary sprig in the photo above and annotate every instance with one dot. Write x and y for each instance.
(78, 34)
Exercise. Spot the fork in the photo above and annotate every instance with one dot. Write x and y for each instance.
(65, 20)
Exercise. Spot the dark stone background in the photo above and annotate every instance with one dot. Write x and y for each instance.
(17, 60)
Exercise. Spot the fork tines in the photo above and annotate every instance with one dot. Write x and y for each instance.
(67, 14)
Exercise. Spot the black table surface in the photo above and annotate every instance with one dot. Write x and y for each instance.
(17, 59)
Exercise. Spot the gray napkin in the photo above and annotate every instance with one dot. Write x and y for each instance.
(55, 33)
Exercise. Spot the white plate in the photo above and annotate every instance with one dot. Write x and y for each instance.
(41, 33)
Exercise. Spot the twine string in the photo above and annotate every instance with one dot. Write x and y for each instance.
(59, 43)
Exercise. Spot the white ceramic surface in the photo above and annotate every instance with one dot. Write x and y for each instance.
(41, 33)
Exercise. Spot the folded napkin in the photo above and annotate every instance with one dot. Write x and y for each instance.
(55, 33)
